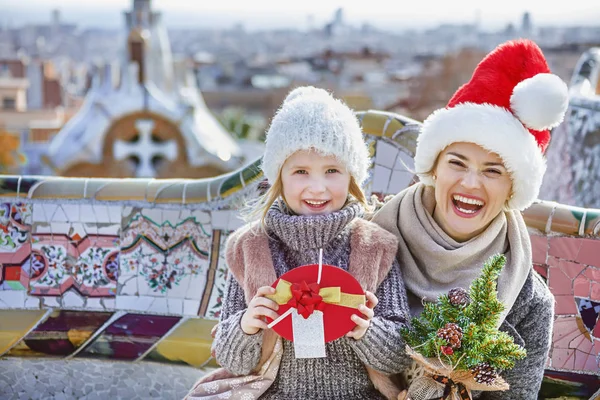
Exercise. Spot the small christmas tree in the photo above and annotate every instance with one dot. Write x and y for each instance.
(461, 329)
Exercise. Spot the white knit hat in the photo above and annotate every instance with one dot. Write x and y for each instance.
(508, 107)
(310, 118)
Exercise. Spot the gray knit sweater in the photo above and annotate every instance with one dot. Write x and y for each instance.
(295, 241)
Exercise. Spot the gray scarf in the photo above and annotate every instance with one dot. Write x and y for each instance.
(304, 232)
(433, 263)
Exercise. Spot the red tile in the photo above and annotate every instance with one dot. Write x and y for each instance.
(590, 252)
(563, 358)
(575, 343)
(553, 261)
(581, 287)
(592, 364)
(565, 247)
(558, 282)
(570, 268)
(541, 269)
(539, 247)
(596, 332)
(565, 305)
(581, 358)
(593, 273)
(584, 344)
(595, 292)
(564, 332)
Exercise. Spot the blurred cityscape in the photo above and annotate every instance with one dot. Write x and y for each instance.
(58, 78)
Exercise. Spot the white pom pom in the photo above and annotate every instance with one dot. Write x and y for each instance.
(305, 91)
(540, 102)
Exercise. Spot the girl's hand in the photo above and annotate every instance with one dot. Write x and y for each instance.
(362, 324)
(259, 307)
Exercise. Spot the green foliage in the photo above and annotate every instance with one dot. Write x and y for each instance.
(242, 126)
(481, 340)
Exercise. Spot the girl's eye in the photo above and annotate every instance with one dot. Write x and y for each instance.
(332, 171)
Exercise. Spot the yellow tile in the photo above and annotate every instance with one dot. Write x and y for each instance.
(14, 324)
(189, 343)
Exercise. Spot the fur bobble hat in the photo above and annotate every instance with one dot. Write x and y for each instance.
(311, 119)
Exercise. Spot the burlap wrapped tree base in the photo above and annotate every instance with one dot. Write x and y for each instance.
(441, 381)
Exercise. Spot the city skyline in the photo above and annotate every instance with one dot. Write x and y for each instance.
(270, 14)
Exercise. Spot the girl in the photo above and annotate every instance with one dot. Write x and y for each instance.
(315, 160)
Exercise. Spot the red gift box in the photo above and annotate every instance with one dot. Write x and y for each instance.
(306, 299)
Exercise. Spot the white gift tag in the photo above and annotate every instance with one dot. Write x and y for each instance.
(309, 335)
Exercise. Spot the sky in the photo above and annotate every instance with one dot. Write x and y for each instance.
(270, 14)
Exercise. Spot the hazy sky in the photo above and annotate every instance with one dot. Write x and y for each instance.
(280, 13)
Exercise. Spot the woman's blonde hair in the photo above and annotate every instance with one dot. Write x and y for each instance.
(256, 210)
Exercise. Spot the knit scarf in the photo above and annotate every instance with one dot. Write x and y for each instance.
(309, 232)
(432, 262)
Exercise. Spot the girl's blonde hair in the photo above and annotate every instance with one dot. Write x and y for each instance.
(256, 210)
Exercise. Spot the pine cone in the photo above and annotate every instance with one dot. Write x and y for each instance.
(484, 373)
(452, 334)
(459, 297)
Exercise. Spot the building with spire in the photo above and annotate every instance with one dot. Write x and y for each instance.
(144, 116)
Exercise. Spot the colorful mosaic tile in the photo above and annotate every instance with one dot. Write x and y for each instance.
(74, 247)
(59, 262)
(130, 337)
(15, 245)
(189, 343)
(163, 256)
(212, 300)
(14, 324)
(60, 334)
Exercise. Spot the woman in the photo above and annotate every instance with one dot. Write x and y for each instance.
(481, 162)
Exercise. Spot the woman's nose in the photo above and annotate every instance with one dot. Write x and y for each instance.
(471, 179)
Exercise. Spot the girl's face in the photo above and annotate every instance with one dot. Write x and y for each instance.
(471, 188)
(314, 184)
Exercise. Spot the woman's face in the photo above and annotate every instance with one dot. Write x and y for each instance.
(472, 186)
(314, 184)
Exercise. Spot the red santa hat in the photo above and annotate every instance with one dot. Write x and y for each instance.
(508, 107)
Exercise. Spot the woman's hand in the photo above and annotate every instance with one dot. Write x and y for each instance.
(362, 324)
(259, 307)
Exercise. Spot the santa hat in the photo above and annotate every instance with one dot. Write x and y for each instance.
(508, 107)
(311, 119)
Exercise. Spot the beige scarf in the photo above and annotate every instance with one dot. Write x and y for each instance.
(433, 263)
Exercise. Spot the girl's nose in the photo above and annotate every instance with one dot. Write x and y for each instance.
(317, 185)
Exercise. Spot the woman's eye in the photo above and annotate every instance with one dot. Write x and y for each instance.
(457, 163)
(332, 171)
(493, 172)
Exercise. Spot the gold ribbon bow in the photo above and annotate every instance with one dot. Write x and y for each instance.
(330, 295)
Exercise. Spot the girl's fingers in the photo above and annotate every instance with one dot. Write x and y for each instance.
(263, 301)
(261, 311)
(372, 300)
(264, 291)
(258, 323)
(362, 323)
(356, 333)
(367, 312)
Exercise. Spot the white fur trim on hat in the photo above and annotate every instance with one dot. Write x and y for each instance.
(540, 102)
(311, 119)
(493, 128)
